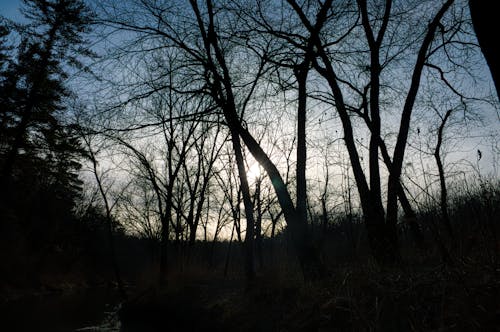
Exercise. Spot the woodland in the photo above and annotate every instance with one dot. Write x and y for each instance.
(250, 165)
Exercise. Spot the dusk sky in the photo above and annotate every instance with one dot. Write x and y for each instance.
(249, 165)
(9, 8)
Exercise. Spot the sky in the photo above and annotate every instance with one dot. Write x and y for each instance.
(9, 9)
(464, 149)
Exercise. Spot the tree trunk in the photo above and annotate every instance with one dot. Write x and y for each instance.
(410, 215)
(247, 202)
(411, 218)
(228, 253)
(258, 225)
(109, 223)
(399, 150)
(484, 19)
(301, 74)
(165, 218)
(309, 257)
(442, 181)
(222, 93)
(165, 230)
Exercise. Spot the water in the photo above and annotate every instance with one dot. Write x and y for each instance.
(84, 310)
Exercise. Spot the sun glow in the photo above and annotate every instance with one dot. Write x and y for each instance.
(254, 172)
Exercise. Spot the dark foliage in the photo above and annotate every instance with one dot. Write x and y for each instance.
(39, 151)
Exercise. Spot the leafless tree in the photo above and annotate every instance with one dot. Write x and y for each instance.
(208, 51)
(92, 155)
(377, 32)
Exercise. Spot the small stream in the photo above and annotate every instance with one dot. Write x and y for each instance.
(82, 310)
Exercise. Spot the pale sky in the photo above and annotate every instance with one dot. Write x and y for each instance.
(9, 8)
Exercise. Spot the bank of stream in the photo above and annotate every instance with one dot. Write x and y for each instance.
(60, 311)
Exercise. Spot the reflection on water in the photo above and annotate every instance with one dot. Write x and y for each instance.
(83, 310)
(110, 323)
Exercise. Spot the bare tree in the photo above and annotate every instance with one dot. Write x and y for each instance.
(87, 139)
(225, 177)
(364, 59)
(442, 177)
(208, 148)
(140, 215)
(208, 53)
(381, 224)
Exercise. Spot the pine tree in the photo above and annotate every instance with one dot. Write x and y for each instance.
(33, 92)
(39, 152)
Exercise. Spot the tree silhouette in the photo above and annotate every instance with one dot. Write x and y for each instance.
(484, 22)
(39, 149)
(33, 90)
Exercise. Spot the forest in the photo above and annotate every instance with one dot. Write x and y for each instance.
(249, 165)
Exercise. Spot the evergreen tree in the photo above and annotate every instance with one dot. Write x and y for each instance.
(33, 91)
(39, 152)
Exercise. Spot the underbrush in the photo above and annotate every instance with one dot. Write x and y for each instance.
(424, 293)
(352, 298)
(206, 288)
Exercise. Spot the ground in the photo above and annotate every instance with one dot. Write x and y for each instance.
(351, 299)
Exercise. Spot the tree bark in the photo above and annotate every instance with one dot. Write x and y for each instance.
(484, 19)
(222, 93)
(247, 202)
(442, 179)
(301, 73)
(258, 224)
(399, 150)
